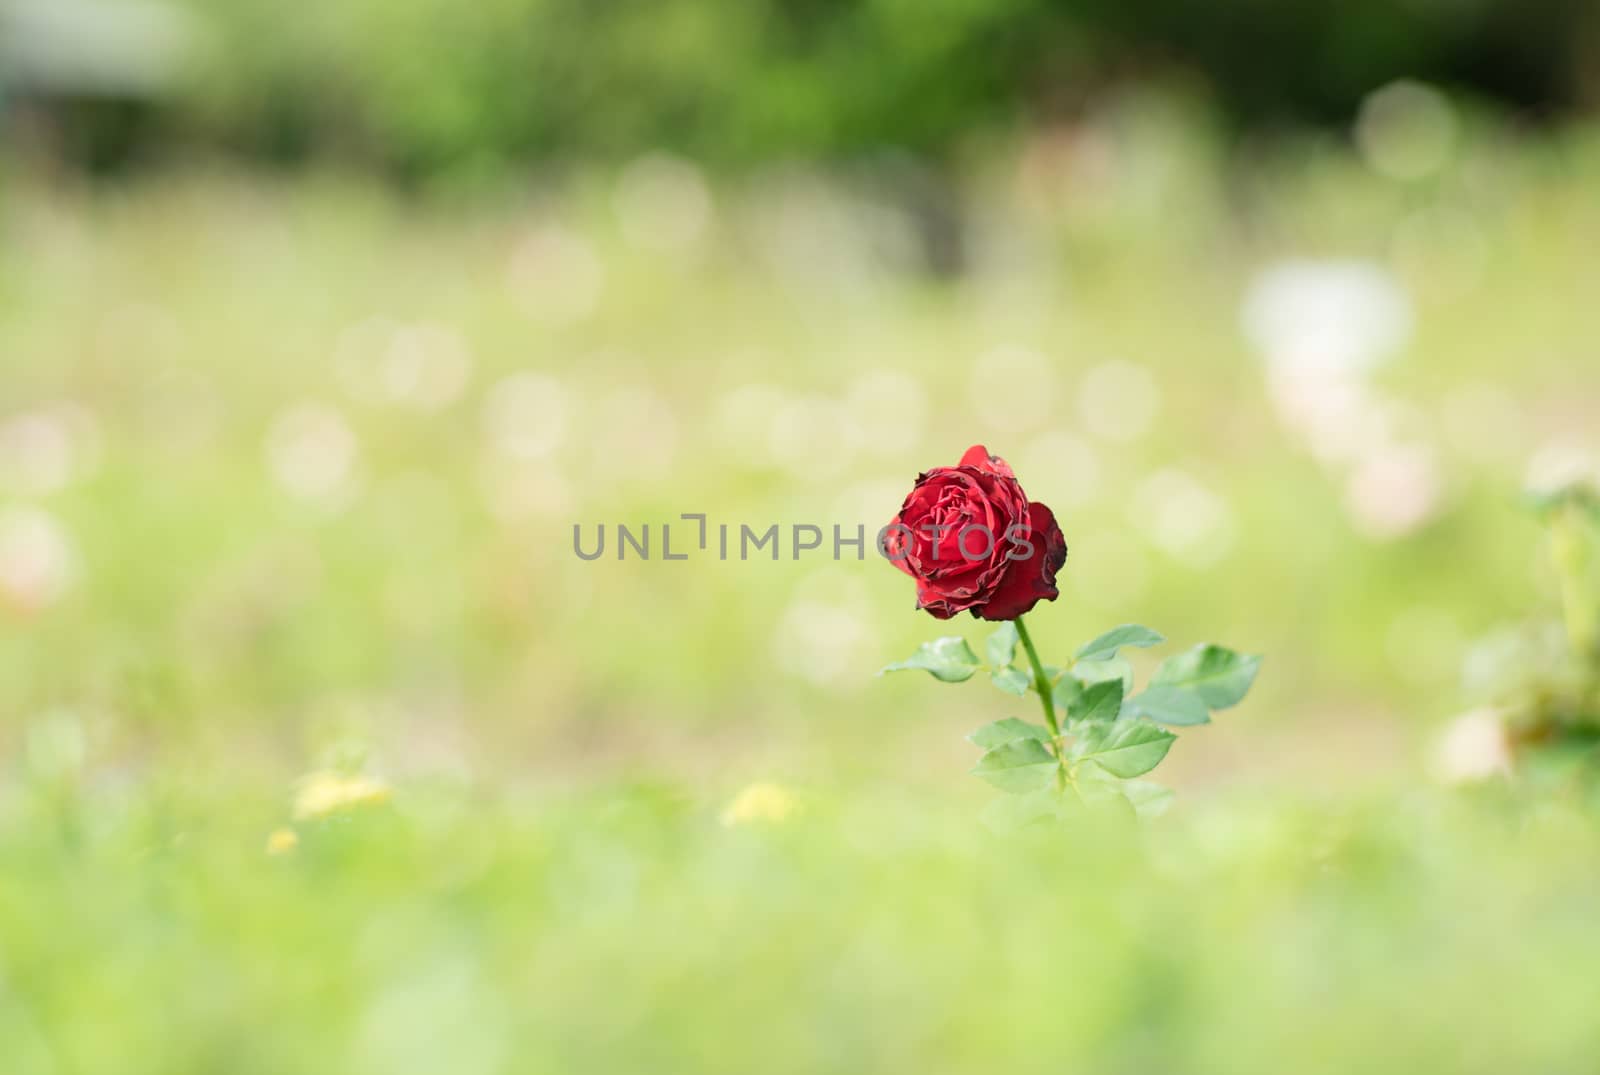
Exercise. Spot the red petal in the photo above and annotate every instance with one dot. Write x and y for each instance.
(903, 561)
(934, 603)
(978, 456)
(1027, 582)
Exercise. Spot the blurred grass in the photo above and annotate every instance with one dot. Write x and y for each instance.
(285, 546)
(627, 929)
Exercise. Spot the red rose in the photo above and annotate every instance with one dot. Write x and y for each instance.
(973, 542)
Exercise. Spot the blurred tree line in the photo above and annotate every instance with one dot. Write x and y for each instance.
(424, 86)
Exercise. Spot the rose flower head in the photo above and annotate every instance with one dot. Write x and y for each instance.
(974, 543)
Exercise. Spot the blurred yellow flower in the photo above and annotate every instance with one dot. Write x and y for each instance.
(327, 792)
(761, 804)
(281, 841)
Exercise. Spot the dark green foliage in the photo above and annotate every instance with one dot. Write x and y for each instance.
(430, 87)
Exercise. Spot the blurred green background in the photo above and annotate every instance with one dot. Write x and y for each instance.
(320, 331)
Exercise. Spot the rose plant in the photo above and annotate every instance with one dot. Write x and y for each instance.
(1541, 723)
(973, 542)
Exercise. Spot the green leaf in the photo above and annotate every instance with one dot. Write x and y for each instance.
(1097, 701)
(1011, 680)
(1123, 749)
(1088, 672)
(1217, 674)
(1100, 792)
(1149, 799)
(1002, 645)
(948, 659)
(1129, 634)
(1169, 705)
(1006, 731)
(1065, 692)
(1018, 766)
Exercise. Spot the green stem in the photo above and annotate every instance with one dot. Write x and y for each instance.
(1569, 546)
(1041, 682)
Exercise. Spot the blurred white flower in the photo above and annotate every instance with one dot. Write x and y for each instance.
(312, 451)
(526, 415)
(37, 561)
(1013, 388)
(424, 366)
(662, 203)
(1563, 460)
(556, 276)
(1330, 316)
(1509, 657)
(1118, 401)
(1406, 130)
(1394, 490)
(1474, 746)
(887, 408)
(1334, 412)
(1183, 517)
(43, 450)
